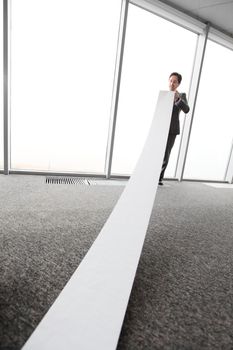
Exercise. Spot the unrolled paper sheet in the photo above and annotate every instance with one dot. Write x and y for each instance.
(89, 312)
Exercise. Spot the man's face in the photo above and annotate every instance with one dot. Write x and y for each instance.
(173, 83)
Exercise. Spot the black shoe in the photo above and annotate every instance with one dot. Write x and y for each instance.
(160, 183)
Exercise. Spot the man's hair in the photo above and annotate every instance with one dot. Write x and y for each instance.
(179, 76)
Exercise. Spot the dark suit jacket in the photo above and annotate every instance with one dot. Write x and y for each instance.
(180, 105)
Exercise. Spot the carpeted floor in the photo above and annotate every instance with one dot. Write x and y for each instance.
(183, 292)
(182, 296)
(45, 231)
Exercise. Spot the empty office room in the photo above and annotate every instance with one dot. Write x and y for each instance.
(116, 175)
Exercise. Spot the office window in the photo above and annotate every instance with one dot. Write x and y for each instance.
(1, 90)
(212, 135)
(154, 48)
(63, 57)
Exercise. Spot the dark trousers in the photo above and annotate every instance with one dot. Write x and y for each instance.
(170, 144)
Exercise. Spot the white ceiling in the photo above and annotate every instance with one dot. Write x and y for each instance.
(219, 13)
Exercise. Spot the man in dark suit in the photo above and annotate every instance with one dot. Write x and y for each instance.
(180, 104)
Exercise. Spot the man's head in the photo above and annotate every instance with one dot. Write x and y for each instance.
(174, 81)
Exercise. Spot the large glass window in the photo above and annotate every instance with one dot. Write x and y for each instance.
(154, 48)
(212, 135)
(1, 88)
(63, 57)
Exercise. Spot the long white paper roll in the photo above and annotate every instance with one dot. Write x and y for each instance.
(89, 312)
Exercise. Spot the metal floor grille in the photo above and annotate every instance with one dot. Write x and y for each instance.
(73, 180)
(66, 180)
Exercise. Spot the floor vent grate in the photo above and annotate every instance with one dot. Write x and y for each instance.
(65, 180)
(74, 180)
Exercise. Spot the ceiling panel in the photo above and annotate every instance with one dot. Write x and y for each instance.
(218, 12)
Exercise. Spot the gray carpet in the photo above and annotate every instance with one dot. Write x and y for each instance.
(45, 231)
(182, 296)
(183, 292)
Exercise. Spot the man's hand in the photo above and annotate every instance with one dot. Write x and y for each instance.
(177, 96)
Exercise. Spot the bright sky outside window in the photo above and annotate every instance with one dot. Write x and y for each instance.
(63, 57)
(212, 136)
(152, 52)
(1, 89)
